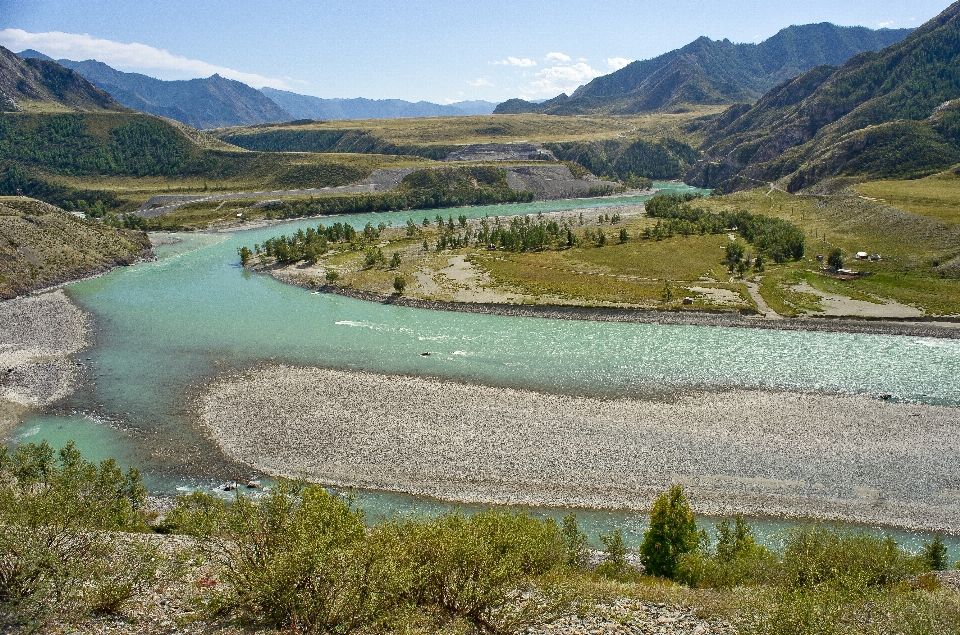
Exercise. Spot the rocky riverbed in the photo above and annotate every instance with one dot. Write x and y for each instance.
(779, 454)
(39, 335)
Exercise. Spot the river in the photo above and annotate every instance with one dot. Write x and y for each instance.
(162, 329)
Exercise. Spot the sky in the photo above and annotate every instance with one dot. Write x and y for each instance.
(442, 51)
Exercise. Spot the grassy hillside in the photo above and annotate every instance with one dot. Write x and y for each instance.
(436, 136)
(113, 162)
(881, 114)
(37, 85)
(41, 245)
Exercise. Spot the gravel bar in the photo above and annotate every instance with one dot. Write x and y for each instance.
(773, 454)
(39, 334)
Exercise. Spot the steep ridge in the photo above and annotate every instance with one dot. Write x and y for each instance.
(873, 116)
(41, 85)
(714, 72)
(202, 103)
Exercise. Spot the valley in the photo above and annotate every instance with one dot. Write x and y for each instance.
(375, 339)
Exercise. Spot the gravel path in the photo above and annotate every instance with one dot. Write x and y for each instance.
(38, 336)
(760, 453)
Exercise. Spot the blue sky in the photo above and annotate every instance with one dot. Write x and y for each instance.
(437, 50)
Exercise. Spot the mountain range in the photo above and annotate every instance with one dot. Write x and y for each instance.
(216, 102)
(27, 84)
(894, 112)
(714, 72)
(307, 107)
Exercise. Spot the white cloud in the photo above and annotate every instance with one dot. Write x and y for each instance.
(884, 25)
(517, 61)
(558, 57)
(133, 56)
(616, 63)
(480, 81)
(563, 79)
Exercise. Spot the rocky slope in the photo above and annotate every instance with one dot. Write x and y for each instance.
(41, 245)
(37, 84)
(714, 72)
(880, 114)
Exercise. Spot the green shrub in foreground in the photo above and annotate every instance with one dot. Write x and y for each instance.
(301, 558)
(56, 557)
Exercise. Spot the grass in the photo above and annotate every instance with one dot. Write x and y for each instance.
(259, 172)
(507, 128)
(911, 245)
(935, 197)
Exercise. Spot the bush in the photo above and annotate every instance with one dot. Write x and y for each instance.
(297, 558)
(399, 284)
(835, 259)
(56, 559)
(492, 570)
(737, 560)
(935, 554)
(672, 533)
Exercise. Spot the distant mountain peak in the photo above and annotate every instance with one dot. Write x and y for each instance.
(709, 71)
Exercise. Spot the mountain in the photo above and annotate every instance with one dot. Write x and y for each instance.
(42, 85)
(891, 113)
(202, 103)
(714, 72)
(307, 107)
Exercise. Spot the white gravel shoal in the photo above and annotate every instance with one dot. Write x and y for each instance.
(37, 336)
(776, 454)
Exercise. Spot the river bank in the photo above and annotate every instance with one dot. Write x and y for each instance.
(761, 453)
(914, 327)
(40, 334)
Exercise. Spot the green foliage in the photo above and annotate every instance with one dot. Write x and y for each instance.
(935, 554)
(490, 569)
(55, 559)
(297, 557)
(312, 140)
(672, 533)
(574, 542)
(301, 558)
(779, 239)
(399, 284)
(835, 258)
(737, 560)
(817, 555)
(633, 162)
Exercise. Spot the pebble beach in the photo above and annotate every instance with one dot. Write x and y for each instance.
(766, 453)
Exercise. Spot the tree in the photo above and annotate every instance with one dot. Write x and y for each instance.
(623, 235)
(574, 541)
(835, 259)
(244, 253)
(935, 554)
(734, 254)
(399, 284)
(672, 533)
(332, 276)
(395, 260)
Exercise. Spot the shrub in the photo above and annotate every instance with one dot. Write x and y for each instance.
(574, 542)
(815, 555)
(56, 558)
(492, 570)
(297, 558)
(835, 259)
(935, 554)
(672, 533)
(737, 559)
(399, 284)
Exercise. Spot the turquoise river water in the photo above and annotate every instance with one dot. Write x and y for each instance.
(162, 329)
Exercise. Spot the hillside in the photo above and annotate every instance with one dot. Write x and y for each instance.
(202, 103)
(307, 107)
(714, 72)
(41, 245)
(36, 85)
(881, 114)
(100, 163)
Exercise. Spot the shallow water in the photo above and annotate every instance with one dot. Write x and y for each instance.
(164, 328)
